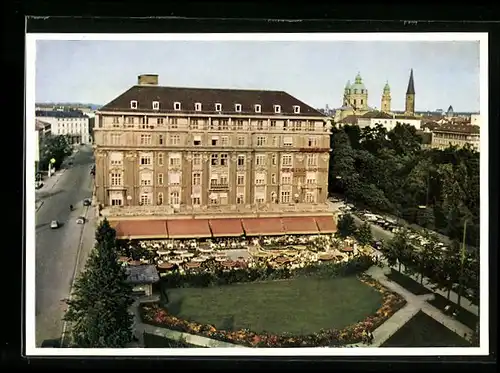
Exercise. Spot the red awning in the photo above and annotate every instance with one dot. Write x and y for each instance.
(140, 229)
(188, 228)
(300, 225)
(263, 226)
(326, 224)
(226, 227)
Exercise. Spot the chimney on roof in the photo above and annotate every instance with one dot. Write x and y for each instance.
(147, 79)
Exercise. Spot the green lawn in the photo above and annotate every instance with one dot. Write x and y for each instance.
(299, 306)
(155, 341)
(424, 331)
(408, 283)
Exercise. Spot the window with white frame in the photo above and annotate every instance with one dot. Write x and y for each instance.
(312, 142)
(175, 140)
(296, 109)
(286, 179)
(196, 178)
(197, 140)
(174, 160)
(173, 123)
(160, 139)
(240, 179)
(224, 159)
(214, 180)
(196, 159)
(257, 108)
(175, 198)
(274, 159)
(224, 124)
(285, 196)
(311, 125)
(145, 139)
(145, 160)
(223, 180)
(260, 160)
(116, 198)
(177, 106)
(156, 105)
(260, 198)
(288, 141)
(116, 179)
(261, 140)
(277, 109)
(310, 178)
(215, 140)
(145, 199)
(310, 197)
(224, 141)
(241, 140)
(116, 159)
(174, 178)
(116, 120)
(273, 124)
(240, 199)
(146, 178)
(286, 160)
(237, 108)
(159, 120)
(116, 139)
(133, 104)
(160, 159)
(197, 106)
(239, 125)
(160, 179)
(260, 178)
(196, 201)
(214, 159)
(194, 124)
(160, 198)
(241, 160)
(312, 160)
(218, 107)
(213, 199)
(273, 178)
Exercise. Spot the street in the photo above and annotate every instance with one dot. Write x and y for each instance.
(57, 250)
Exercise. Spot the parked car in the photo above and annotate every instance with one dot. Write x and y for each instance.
(87, 202)
(38, 185)
(54, 224)
(80, 220)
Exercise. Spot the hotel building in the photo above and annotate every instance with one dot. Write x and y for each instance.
(177, 162)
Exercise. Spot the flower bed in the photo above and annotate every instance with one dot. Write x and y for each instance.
(392, 302)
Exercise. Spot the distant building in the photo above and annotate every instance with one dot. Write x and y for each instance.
(72, 123)
(388, 121)
(449, 113)
(455, 134)
(475, 120)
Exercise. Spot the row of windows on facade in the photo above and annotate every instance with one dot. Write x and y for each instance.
(354, 102)
(456, 136)
(218, 159)
(218, 107)
(116, 179)
(175, 199)
(72, 119)
(144, 139)
(220, 124)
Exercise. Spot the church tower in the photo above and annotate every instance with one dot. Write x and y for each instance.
(358, 95)
(410, 97)
(386, 99)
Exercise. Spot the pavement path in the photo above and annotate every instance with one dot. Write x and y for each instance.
(57, 249)
(382, 234)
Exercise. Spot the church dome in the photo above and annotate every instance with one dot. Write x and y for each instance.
(358, 86)
(387, 88)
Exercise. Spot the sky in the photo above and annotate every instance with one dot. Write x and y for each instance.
(445, 73)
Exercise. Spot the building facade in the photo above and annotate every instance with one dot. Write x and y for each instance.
(187, 151)
(388, 121)
(455, 135)
(71, 123)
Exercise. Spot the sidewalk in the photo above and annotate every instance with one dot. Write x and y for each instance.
(48, 184)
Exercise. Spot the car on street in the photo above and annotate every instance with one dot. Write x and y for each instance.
(80, 220)
(38, 185)
(54, 224)
(87, 202)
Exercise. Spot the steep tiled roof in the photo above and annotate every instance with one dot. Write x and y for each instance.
(208, 97)
(377, 114)
(411, 85)
(41, 125)
(350, 119)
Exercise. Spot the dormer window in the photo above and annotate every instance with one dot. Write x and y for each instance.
(197, 106)
(277, 109)
(218, 107)
(156, 105)
(177, 106)
(296, 109)
(133, 104)
(257, 108)
(237, 108)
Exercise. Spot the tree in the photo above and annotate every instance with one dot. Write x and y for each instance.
(364, 234)
(54, 146)
(346, 226)
(99, 308)
(399, 247)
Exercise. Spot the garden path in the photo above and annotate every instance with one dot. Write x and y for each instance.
(414, 304)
